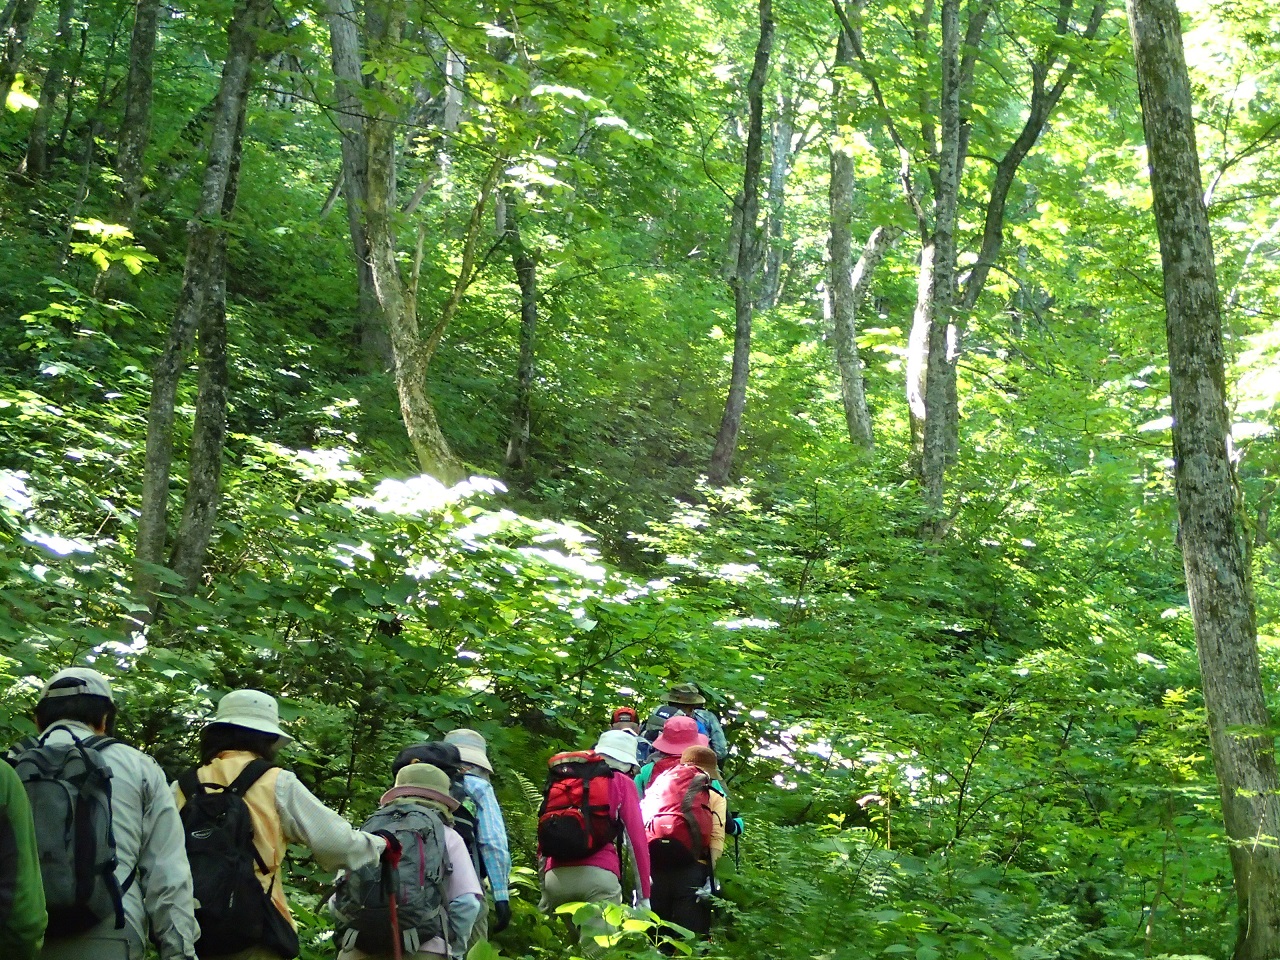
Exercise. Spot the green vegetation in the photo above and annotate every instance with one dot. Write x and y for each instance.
(968, 733)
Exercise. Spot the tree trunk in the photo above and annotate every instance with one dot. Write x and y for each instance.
(775, 232)
(135, 129)
(1212, 552)
(744, 271)
(349, 114)
(13, 34)
(938, 368)
(200, 285)
(526, 270)
(36, 162)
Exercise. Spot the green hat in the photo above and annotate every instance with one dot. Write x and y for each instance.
(422, 781)
(686, 693)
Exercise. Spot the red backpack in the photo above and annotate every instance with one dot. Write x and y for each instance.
(574, 820)
(677, 816)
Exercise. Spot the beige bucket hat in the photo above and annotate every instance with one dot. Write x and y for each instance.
(251, 709)
(472, 747)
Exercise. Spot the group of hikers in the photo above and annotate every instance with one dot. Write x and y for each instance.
(100, 855)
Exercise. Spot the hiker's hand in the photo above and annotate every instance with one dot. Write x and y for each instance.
(736, 827)
(392, 852)
(502, 915)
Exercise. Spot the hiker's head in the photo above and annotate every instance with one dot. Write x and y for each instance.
(625, 718)
(472, 747)
(245, 720)
(679, 733)
(77, 694)
(704, 758)
(619, 750)
(437, 753)
(686, 697)
(423, 781)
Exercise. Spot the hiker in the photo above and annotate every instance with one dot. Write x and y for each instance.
(118, 878)
(436, 889)
(448, 759)
(684, 817)
(22, 913)
(241, 918)
(491, 829)
(679, 733)
(687, 699)
(625, 718)
(582, 861)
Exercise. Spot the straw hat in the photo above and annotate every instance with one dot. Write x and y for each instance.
(471, 746)
(678, 734)
(251, 709)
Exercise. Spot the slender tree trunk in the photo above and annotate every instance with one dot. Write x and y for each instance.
(36, 162)
(200, 286)
(526, 270)
(939, 370)
(349, 86)
(135, 129)
(775, 232)
(744, 272)
(13, 35)
(73, 85)
(1212, 553)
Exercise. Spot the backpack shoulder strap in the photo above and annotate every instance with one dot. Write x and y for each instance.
(190, 784)
(250, 775)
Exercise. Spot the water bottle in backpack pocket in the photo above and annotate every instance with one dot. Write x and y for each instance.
(677, 817)
(69, 786)
(362, 900)
(574, 820)
(234, 911)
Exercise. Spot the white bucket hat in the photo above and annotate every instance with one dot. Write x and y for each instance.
(251, 709)
(471, 747)
(618, 745)
(89, 682)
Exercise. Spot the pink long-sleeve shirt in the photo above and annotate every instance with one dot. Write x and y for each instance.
(624, 805)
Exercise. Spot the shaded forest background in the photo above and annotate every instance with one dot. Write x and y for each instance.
(948, 635)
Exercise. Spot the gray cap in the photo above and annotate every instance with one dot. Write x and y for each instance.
(89, 683)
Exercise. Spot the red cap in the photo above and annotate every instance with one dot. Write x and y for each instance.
(625, 715)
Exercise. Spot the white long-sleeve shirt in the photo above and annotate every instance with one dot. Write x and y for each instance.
(150, 846)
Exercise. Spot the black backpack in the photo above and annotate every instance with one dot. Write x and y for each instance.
(466, 822)
(233, 910)
(69, 786)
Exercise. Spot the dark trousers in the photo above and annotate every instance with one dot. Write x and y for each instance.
(673, 897)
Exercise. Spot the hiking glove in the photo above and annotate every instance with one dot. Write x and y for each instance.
(736, 827)
(502, 915)
(392, 853)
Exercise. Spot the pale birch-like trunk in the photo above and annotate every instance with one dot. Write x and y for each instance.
(200, 285)
(742, 280)
(13, 36)
(36, 162)
(775, 230)
(135, 129)
(349, 115)
(1212, 552)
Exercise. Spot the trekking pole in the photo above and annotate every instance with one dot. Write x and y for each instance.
(737, 854)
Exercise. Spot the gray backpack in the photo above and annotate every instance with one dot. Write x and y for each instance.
(362, 900)
(69, 786)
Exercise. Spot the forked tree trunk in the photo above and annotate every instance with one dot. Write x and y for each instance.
(135, 129)
(1212, 554)
(36, 162)
(200, 285)
(741, 281)
(14, 27)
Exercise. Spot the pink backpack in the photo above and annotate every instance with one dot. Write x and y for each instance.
(677, 816)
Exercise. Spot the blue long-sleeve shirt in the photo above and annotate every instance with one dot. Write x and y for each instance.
(491, 835)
